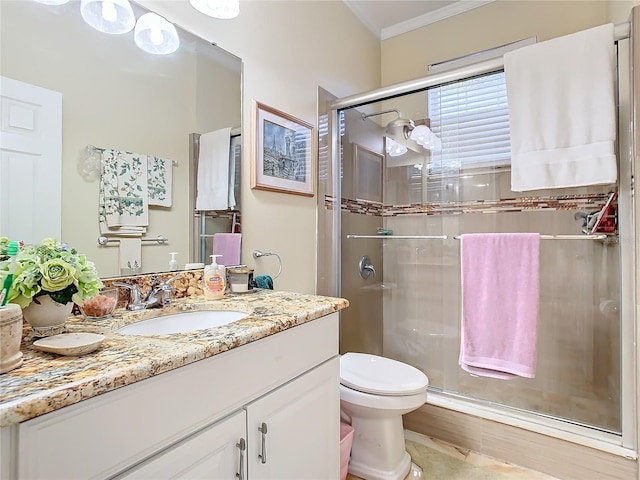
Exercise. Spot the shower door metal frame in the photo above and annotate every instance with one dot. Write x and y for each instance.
(626, 444)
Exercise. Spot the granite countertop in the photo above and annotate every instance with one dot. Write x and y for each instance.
(46, 382)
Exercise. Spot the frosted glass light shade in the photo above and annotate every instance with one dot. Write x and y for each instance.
(156, 35)
(423, 135)
(395, 149)
(108, 16)
(53, 2)
(224, 9)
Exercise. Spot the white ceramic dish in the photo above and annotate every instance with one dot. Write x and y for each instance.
(70, 343)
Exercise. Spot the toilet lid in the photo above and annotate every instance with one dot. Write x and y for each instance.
(381, 376)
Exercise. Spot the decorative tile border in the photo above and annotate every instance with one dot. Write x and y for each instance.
(587, 201)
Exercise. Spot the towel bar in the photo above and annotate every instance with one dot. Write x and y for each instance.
(100, 150)
(404, 237)
(160, 239)
(564, 237)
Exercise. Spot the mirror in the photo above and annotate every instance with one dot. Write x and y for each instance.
(116, 96)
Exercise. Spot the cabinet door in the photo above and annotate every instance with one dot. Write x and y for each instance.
(294, 430)
(214, 453)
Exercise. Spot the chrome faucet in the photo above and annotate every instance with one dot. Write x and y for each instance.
(160, 295)
(135, 300)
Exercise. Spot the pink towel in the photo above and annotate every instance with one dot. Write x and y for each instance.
(227, 245)
(500, 293)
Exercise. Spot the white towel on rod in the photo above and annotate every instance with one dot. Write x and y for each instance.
(213, 170)
(234, 151)
(123, 197)
(130, 254)
(562, 111)
(159, 181)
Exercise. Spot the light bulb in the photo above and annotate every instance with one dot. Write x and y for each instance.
(155, 35)
(109, 16)
(109, 11)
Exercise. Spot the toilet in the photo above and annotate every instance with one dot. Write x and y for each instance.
(374, 394)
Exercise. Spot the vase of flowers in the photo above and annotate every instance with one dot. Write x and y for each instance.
(47, 279)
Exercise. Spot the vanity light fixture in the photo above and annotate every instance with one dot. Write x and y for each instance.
(224, 9)
(405, 129)
(154, 34)
(53, 2)
(108, 16)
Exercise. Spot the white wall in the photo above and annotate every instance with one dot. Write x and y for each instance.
(288, 49)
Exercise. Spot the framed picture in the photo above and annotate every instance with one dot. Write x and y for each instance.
(285, 148)
(367, 174)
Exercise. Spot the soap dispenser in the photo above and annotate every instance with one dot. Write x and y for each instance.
(214, 281)
(173, 263)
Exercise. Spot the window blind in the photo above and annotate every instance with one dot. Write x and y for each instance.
(471, 118)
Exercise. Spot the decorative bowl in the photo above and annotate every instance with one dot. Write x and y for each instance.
(101, 306)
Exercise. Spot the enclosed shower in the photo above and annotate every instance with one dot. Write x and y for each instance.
(389, 227)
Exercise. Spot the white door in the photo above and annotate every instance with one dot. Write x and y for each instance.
(213, 454)
(299, 436)
(30, 162)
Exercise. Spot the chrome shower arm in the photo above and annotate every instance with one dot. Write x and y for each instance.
(367, 115)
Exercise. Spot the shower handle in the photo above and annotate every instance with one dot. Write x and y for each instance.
(366, 268)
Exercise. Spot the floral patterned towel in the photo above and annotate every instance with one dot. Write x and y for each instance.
(159, 173)
(123, 190)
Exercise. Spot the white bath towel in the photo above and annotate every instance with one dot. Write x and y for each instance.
(234, 152)
(562, 111)
(213, 170)
(130, 255)
(159, 181)
(123, 193)
(120, 231)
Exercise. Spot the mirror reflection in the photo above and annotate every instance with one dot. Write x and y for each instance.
(119, 99)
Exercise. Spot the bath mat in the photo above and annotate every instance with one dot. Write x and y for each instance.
(440, 466)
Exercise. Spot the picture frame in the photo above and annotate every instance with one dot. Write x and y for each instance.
(284, 152)
(367, 174)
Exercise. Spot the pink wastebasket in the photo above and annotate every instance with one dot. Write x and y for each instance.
(346, 439)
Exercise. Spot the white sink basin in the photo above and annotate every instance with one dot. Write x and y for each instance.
(182, 322)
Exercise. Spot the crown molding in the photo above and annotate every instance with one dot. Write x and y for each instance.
(364, 18)
(426, 19)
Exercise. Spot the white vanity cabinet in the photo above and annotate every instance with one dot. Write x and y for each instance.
(189, 422)
(217, 451)
(291, 432)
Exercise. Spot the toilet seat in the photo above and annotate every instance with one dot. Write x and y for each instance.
(380, 376)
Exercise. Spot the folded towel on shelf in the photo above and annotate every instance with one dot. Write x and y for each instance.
(123, 199)
(213, 170)
(562, 111)
(159, 180)
(263, 281)
(229, 246)
(500, 296)
(130, 255)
